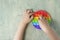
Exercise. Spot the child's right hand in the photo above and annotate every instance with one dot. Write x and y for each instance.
(43, 23)
(47, 29)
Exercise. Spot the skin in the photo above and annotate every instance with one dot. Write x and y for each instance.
(43, 23)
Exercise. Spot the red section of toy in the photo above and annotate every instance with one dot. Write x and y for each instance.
(36, 16)
(41, 13)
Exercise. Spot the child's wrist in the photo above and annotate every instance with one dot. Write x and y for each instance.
(24, 23)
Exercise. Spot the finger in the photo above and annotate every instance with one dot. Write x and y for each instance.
(40, 17)
(29, 11)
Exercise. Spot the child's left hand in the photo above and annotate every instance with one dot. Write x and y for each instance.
(28, 16)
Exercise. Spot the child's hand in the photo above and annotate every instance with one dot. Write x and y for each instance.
(43, 23)
(47, 29)
(27, 16)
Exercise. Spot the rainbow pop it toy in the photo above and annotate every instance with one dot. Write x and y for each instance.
(36, 16)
